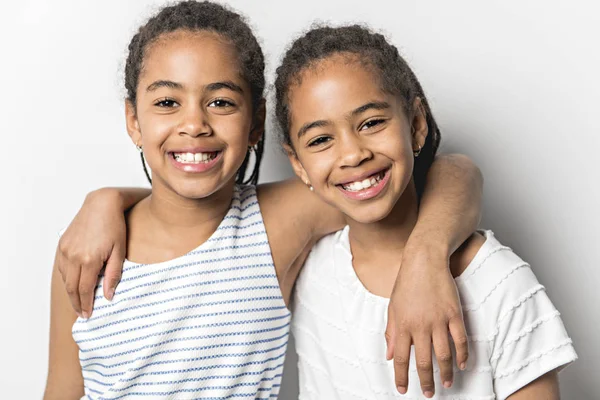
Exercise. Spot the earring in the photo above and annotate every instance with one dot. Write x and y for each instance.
(312, 189)
(417, 152)
(251, 149)
(138, 147)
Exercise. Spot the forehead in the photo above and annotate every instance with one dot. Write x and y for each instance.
(191, 57)
(333, 87)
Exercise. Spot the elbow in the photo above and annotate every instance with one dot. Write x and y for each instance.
(465, 166)
(466, 170)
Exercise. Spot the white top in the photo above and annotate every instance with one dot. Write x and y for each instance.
(211, 324)
(515, 333)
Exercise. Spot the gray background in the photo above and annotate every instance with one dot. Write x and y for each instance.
(514, 84)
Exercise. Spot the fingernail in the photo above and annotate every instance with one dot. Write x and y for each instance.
(79, 315)
(86, 315)
(402, 389)
(428, 394)
(463, 366)
(448, 384)
(111, 293)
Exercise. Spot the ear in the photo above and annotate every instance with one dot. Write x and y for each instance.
(419, 126)
(258, 123)
(133, 127)
(296, 164)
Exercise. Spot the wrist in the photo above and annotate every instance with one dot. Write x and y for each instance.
(426, 252)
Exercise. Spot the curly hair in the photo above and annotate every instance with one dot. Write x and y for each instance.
(371, 50)
(203, 16)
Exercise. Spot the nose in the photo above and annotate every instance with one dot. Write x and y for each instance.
(353, 152)
(195, 123)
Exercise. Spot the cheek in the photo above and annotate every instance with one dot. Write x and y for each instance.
(232, 129)
(155, 130)
(318, 167)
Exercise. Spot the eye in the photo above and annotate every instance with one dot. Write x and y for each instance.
(319, 141)
(221, 103)
(166, 103)
(372, 123)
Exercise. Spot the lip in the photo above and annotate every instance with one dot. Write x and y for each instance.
(373, 191)
(195, 168)
(195, 150)
(363, 176)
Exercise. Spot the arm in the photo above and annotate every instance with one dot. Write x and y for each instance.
(96, 235)
(424, 306)
(64, 372)
(545, 387)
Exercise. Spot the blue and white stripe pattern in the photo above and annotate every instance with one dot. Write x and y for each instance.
(211, 324)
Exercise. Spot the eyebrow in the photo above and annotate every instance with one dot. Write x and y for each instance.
(373, 105)
(310, 125)
(160, 84)
(224, 85)
(211, 87)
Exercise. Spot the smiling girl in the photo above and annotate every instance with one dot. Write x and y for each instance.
(201, 309)
(358, 129)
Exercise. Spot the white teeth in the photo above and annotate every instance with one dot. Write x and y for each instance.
(364, 184)
(194, 158)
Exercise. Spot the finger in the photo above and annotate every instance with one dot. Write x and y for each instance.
(87, 286)
(390, 335)
(402, 360)
(59, 264)
(112, 273)
(443, 354)
(72, 286)
(461, 342)
(424, 363)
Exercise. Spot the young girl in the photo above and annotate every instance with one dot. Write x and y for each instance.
(201, 308)
(359, 131)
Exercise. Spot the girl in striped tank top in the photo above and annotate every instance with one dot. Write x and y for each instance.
(201, 308)
(374, 121)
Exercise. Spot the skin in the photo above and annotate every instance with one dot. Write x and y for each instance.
(364, 131)
(200, 107)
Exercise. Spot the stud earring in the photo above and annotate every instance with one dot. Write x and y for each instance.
(138, 147)
(417, 152)
(312, 189)
(251, 149)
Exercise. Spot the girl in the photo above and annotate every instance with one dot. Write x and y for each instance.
(201, 308)
(358, 130)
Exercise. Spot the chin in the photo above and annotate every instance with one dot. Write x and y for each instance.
(193, 191)
(368, 215)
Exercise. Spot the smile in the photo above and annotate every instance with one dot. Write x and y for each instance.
(367, 188)
(195, 158)
(357, 186)
(196, 161)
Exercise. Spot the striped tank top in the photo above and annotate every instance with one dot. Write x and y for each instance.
(211, 324)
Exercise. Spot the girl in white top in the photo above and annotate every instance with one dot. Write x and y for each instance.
(360, 133)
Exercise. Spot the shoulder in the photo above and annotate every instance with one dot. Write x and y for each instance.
(326, 247)
(485, 265)
(319, 267)
(464, 255)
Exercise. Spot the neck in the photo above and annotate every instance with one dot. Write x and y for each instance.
(166, 225)
(385, 239)
(175, 213)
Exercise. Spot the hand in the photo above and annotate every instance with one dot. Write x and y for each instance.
(424, 307)
(96, 236)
